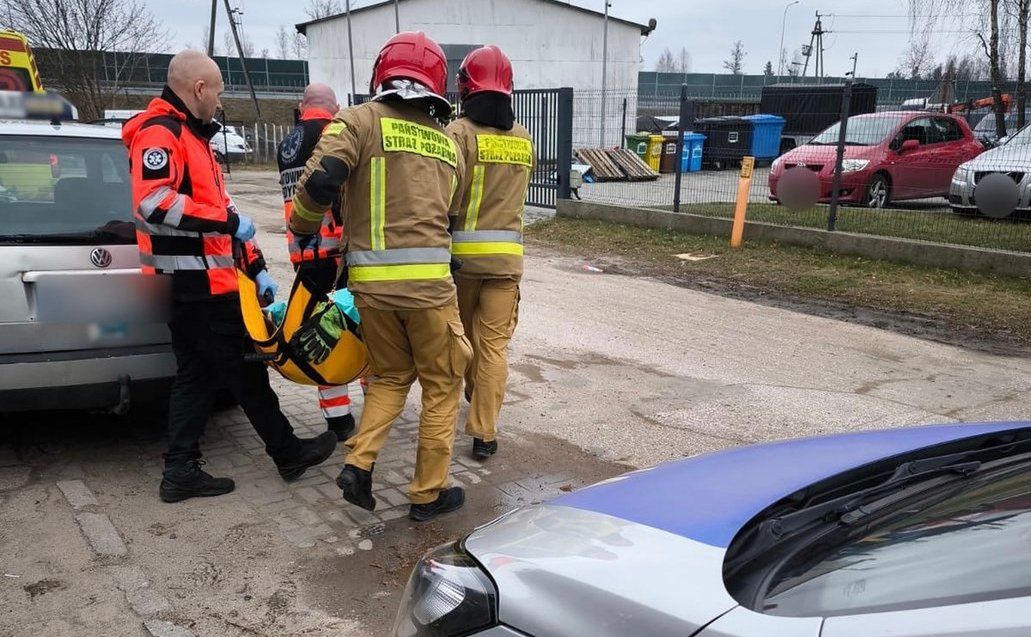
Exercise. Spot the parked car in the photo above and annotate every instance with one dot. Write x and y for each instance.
(80, 325)
(889, 156)
(908, 532)
(229, 144)
(985, 130)
(1012, 158)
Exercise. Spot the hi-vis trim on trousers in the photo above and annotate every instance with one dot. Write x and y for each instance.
(398, 264)
(334, 401)
(487, 242)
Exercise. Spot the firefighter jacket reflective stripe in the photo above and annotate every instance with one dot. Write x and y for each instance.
(489, 208)
(292, 154)
(184, 217)
(402, 173)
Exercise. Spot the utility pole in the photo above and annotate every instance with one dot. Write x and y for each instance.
(815, 47)
(243, 63)
(397, 18)
(780, 51)
(350, 47)
(855, 62)
(211, 28)
(604, 69)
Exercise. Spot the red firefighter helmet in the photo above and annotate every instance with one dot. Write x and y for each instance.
(412, 55)
(485, 69)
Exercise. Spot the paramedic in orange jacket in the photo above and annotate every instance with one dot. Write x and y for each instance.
(187, 227)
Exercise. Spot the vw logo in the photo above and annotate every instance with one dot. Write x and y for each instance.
(100, 257)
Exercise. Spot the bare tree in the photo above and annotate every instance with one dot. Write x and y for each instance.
(684, 60)
(1020, 10)
(204, 40)
(322, 8)
(915, 59)
(768, 70)
(71, 37)
(736, 62)
(283, 43)
(300, 46)
(931, 11)
(665, 62)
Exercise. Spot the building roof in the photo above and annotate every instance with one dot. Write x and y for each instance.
(645, 28)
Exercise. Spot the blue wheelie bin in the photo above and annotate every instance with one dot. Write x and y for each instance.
(766, 132)
(691, 157)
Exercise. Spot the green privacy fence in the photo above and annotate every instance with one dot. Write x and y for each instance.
(152, 69)
(747, 88)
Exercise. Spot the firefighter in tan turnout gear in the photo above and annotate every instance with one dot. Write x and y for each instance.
(487, 233)
(398, 170)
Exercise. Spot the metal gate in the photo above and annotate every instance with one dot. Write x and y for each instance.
(548, 115)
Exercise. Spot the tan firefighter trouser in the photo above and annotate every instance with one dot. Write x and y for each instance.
(404, 345)
(490, 310)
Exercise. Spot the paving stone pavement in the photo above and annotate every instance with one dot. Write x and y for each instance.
(311, 510)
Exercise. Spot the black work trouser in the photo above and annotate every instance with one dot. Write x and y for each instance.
(209, 341)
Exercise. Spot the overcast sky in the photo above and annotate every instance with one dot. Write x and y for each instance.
(877, 29)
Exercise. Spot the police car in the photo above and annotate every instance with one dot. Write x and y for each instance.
(80, 325)
(908, 532)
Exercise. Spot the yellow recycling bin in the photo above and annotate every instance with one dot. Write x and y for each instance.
(655, 151)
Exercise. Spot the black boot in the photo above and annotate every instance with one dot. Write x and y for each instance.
(448, 500)
(313, 451)
(357, 486)
(189, 481)
(342, 426)
(483, 450)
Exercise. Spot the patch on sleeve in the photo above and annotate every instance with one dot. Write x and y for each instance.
(155, 163)
(334, 128)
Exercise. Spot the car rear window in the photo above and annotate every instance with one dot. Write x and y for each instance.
(968, 546)
(64, 190)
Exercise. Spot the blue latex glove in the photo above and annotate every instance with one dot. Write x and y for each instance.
(344, 300)
(267, 287)
(245, 231)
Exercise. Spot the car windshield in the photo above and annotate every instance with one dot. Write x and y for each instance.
(861, 131)
(64, 190)
(974, 533)
(1021, 137)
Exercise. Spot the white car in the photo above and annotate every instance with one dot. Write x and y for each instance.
(80, 325)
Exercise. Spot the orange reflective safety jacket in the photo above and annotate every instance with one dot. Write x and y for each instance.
(291, 156)
(185, 219)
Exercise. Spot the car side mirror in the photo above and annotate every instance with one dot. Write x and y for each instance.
(909, 146)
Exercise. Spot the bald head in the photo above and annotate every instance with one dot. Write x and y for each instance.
(319, 95)
(196, 79)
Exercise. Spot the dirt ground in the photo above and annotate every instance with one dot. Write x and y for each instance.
(609, 371)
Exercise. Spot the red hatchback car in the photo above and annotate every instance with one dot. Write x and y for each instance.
(888, 157)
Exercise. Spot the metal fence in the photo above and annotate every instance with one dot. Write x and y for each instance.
(913, 174)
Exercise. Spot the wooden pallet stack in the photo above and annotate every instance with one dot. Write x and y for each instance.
(631, 164)
(616, 164)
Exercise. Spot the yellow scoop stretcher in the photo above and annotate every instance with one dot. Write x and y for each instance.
(347, 362)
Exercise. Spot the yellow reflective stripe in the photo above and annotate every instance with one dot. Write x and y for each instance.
(490, 247)
(378, 202)
(371, 273)
(472, 213)
(504, 149)
(454, 187)
(334, 128)
(305, 213)
(408, 137)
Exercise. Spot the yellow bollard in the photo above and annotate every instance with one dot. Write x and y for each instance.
(744, 182)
